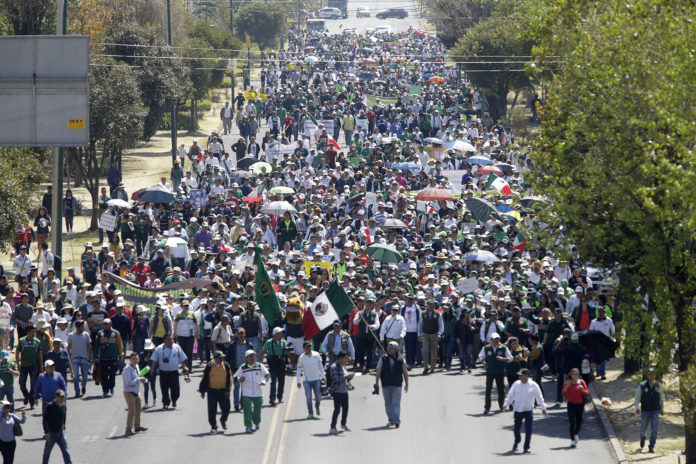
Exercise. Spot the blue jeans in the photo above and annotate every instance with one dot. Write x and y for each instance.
(465, 358)
(446, 351)
(254, 341)
(7, 391)
(81, 373)
(392, 403)
(309, 387)
(237, 393)
(56, 439)
(349, 137)
(139, 344)
(651, 418)
(527, 416)
(602, 368)
(411, 342)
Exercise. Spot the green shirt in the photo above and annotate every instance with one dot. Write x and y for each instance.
(5, 376)
(275, 347)
(30, 351)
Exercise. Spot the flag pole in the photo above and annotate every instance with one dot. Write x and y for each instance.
(370, 330)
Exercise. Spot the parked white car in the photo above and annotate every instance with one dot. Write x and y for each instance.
(363, 12)
(329, 13)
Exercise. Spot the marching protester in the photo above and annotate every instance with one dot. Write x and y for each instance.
(252, 376)
(216, 383)
(575, 389)
(523, 395)
(339, 391)
(650, 405)
(8, 442)
(495, 356)
(310, 366)
(54, 418)
(393, 373)
(131, 392)
(167, 358)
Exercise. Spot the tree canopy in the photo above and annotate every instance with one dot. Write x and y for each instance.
(264, 22)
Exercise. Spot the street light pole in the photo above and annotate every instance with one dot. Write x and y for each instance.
(173, 107)
(58, 162)
(231, 17)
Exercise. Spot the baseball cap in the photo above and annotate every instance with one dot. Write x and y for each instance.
(49, 363)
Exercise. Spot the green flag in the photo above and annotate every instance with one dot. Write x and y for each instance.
(339, 299)
(265, 295)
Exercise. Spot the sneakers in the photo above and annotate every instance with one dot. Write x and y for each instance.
(426, 371)
(129, 433)
(146, 405)
(258, 427)
(389, 424)
(318, 412)
(173, 404)
(249, 430)
(105, 395)
(334, 431)
(397, 425)
(310, 416)
(213, 430)
(111, 391)
(573, 443)
(346, 428)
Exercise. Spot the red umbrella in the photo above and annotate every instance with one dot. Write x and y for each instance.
(490, 169)
(420, 33)
(368, 62)
(252, 199)
(433, 194)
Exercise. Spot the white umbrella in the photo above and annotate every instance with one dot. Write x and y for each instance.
(461, 145)
(278, 208)
(311, 59)
(118, 203)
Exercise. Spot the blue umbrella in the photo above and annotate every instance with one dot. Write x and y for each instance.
(428, 75)
(410, 166)
(478, 159)
(482, 256)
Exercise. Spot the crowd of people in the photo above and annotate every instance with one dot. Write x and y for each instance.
(355, 128)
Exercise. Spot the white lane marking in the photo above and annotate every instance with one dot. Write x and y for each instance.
(284, 435)
(271, 436)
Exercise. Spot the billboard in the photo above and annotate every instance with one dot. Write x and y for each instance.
(44, 91)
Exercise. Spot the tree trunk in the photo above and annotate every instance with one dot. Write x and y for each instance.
(192, 125)
(514, 100)
(94, 193)
(624, 308)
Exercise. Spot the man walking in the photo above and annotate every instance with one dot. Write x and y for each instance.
(430, 329)
(131, 392)
(226, 114)
(54, 425)
(494, 356)
(29, 358)
(109, 353)
(48, 384)
(236, 356)
(169, 356)
(309, 365)
(216, 382)
(252, 376)
(367, 321)
(522, 396)
(80, 351)
(392, 371)
(650, 405)
(275, 348)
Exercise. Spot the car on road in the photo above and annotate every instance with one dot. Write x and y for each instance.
(329, 13)
(363, 12)
(398, 13)
(384, 29)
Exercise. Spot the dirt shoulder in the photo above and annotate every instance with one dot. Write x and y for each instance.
(621, 390)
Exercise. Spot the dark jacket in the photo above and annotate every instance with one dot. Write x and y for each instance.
(203, 387)
(54, 418)
(231, 354)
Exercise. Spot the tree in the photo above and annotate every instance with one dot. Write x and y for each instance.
(264, 22)
(615, 157)
(496, 37)
(453, 17)
(29, 17)
(21, 169)
(117, 120)
(162, 76)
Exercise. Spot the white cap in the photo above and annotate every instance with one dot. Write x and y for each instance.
(48, 363)
(495, 335)
(277, 330)
(249, 353)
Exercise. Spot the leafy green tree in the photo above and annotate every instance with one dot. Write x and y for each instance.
(29, 17)
(162, 76)
(453, 17)
(615, 156)
(117, 121)
(264, 22)
(496, 37)
(20, 172)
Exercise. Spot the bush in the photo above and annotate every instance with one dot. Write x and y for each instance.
(204, 105)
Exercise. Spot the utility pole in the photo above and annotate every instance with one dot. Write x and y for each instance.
(58, 162)
(232, 19)
(173, 108)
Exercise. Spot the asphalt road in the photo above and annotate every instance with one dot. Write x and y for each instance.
(441, 423)
(336, 26)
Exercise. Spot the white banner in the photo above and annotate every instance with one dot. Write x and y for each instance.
(309, 127)
(455, 178)
(279, 150)
(107, 222)
(469, 285)
(364, 123)
(198, 198)
(5, 316)
(328, 125)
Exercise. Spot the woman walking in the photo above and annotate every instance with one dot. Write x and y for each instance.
(69, 210)
(575, 389)
(8, 443)
(339, 391)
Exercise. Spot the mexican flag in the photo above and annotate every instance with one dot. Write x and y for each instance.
(499, 184)
(333, 304)
(519, 243)
(266, 297)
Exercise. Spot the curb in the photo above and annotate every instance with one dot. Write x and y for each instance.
(606, 425)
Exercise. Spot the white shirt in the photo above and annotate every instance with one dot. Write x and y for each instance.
(606, 326)
(310, 366)
(393, 327)
(486, 335)
(523, 395)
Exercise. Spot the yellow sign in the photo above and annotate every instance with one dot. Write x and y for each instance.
(250, 95)
(262, 96)
(309, 264)
(76, 123)
(248, 41)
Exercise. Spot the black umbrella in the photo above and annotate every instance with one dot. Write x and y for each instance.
(247, 161)
(506, 168)
(601, 346)
(481, 209)
(528, 201)
(393, 223)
